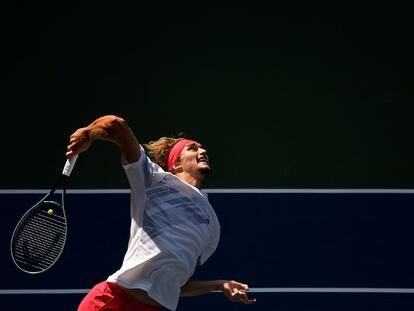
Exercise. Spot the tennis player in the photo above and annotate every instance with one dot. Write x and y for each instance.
(173, 226)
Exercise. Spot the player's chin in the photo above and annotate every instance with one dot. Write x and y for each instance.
(205, 169)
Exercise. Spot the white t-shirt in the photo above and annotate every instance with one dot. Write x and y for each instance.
(173, 228)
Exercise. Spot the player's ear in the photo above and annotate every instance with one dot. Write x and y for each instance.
(177, 167)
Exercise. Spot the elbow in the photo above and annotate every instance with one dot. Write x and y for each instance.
(114, 121)
(114, 126)
(108, 127)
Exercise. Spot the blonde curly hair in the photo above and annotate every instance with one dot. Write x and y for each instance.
(158, 150)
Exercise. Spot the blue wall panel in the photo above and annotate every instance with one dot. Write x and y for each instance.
(279, 239)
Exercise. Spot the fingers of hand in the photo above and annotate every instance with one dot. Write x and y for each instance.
(237, 292)
(240, 295)
(245, 299)
(71, 148)
(78, 142)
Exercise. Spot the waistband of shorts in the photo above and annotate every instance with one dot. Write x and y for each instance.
(124, 295)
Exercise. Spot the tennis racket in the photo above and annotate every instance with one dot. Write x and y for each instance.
(40, 235)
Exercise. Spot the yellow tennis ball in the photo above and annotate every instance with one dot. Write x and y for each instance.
(50, 212)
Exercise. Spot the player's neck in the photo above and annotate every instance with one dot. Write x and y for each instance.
(196, 181)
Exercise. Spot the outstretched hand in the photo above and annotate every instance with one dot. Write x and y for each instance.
(237, 292)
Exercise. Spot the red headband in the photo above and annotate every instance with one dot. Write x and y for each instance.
(176, 150)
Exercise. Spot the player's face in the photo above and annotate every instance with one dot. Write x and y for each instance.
(194, 158)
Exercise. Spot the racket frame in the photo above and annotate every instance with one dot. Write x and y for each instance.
(61, 184)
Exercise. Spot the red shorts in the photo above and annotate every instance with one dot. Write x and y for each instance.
(110, 296)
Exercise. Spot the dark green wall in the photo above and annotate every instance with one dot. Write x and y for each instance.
(284, 96)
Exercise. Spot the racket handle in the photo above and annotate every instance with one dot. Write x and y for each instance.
(70, 163)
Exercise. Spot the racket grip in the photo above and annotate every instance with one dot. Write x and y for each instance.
(70, 163)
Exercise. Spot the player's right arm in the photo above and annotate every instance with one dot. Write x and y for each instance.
(110, 128)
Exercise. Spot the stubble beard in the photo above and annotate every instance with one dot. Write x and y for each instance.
(205, 171)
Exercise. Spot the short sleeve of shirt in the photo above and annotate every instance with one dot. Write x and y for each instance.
(142, 173)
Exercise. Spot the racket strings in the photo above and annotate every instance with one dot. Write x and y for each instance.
(40, 239)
